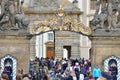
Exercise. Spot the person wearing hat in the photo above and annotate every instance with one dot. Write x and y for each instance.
(114, 71)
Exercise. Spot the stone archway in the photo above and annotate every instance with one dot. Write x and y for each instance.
(14, 65)
(106, 64)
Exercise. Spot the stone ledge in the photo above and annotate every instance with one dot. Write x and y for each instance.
(107, 32)
(20, 32)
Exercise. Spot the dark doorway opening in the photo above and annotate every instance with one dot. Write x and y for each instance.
(68, 47)
(90, 53)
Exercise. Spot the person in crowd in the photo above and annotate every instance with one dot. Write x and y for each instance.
(45, 67)
(51, 63)
(4, 77)
(77, 69)
(1, 71)
(72, 76)
(86, 70)
(77, 73)
(77, 66)
(25, 77)
(89, 64)
(96, 72)
(40, 73)
(58, 76)
(110, 71)
(52, 73)
(45, 76)
(59, 69)
(64, 65)
(105, 76)
(71, 67)
(81, 77)
(35, 76)
(67, 72)
(82, 72)
(83, 61)
(30, 76)
(91, 77)
(8, 70)
(19, 75)
(114, 71)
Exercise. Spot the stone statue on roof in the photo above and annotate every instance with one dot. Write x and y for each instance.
(106, 15)
(11, 17)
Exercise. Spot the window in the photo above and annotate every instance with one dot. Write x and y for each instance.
(93, 4)
(50, 36)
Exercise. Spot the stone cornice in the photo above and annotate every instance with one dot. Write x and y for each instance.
(106, 33)
(51, 12)
(103, 38)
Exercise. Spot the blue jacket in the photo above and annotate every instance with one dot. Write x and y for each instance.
(96, 72)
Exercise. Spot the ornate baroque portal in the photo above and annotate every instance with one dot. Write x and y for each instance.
(60, 20)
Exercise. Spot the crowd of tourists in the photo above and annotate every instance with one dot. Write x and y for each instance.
(63, 69)
(69, 69)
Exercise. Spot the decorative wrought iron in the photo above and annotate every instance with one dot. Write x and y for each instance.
(60, 22)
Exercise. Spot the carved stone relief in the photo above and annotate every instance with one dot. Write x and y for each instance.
(106, 15)
(11, 18)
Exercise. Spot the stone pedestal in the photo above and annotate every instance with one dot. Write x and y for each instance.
(104, 44)
(17, 47)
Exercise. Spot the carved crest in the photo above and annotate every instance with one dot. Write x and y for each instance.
(68, 23)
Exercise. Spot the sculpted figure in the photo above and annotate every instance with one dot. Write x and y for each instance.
(7, 16)
(21, 21)
(113, 9)
(100, 20)
(10, 17)
(107, 14)
(100, 17)
(113, 20)
(100, 5)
